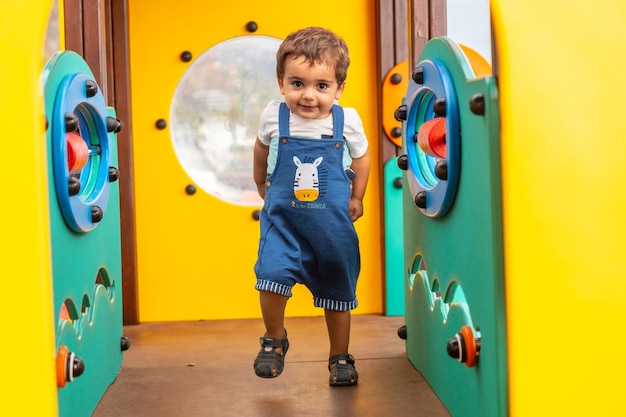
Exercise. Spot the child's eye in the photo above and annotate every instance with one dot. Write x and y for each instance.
(297, 84)
(322, 86)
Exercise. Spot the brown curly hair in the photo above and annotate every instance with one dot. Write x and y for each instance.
(315, 44)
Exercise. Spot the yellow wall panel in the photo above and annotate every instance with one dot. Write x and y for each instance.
(29, 387)
(196, 254)
(563, 94)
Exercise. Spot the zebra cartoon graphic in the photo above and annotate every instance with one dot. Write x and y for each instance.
(306, 182)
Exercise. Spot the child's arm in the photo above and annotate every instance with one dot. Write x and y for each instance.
(361, 166)
(261, 152)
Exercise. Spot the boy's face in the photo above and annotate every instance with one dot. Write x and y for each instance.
(309, 90)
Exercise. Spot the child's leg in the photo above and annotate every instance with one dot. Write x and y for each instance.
(340, 362)
(338, 323)
(273, 310)
(270, 360)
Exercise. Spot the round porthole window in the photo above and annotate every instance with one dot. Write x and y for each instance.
(432, 138)
(215, 114)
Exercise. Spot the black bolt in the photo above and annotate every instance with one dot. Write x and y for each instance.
(73, 185)
(420, 199)
(252, 27)
(441, 170)
(403, 162)
(161, 124)
(402, 332)
(190, 189)
(96, 214)
(124, 343)
(397, 183)
(418, 75)
(91, 88)
(395, 79)
(400, 113)
(114, 125)
(186, 56)
(477, 104)
(439, 107)
(71, 122)
(77, 367)
(114, 174)
(256, 214)
(453, 348)
(396, 132)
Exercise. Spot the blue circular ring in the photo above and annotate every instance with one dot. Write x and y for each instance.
(440, 194)
(91, 113)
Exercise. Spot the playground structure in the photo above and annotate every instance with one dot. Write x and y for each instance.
(85, 233)
(519, 261)
(453, 230)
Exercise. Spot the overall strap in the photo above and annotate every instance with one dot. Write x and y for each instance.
(283, 120)
(338, 122)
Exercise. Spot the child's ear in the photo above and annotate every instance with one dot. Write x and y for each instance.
(339, 92)
(280, 85)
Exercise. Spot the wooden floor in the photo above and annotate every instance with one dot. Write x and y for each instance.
(205, 369)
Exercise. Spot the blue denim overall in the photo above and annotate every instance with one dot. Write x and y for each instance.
(307, 235)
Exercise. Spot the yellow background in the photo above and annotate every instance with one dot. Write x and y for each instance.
(196, 254)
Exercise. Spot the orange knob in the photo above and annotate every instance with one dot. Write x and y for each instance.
(471, 348)
(61, 366)
(464, 347)
(68, 366)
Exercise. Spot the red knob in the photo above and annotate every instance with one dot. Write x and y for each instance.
(77, 152)
(431, 137)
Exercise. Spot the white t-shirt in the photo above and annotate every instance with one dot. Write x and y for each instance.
(356, 141)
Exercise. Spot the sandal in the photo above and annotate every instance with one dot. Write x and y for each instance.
(268, 359)
(342, 370)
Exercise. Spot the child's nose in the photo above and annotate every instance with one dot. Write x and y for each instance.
(309, 93)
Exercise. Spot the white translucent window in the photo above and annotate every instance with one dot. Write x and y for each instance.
(215, 115)
(468, 23)
(52, 43)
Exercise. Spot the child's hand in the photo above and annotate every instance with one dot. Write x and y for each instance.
(355, 209)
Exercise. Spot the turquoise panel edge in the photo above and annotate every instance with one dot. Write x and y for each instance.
(394, 241)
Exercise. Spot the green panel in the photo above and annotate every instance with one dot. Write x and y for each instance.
(462, 250)
(394, 242)
(86, 271)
